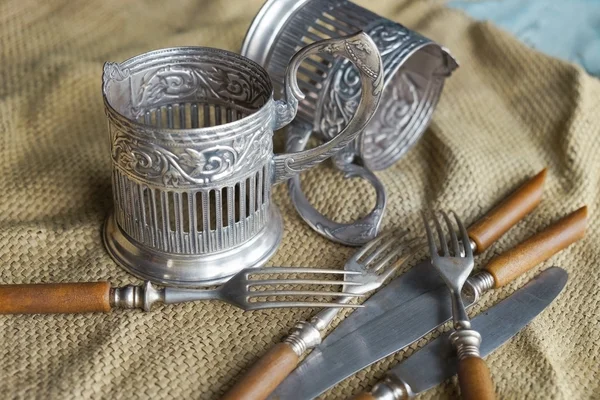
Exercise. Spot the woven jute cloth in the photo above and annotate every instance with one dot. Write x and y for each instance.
(504, 115)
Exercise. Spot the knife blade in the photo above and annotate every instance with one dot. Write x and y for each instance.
(398, 327)
(437, 362)
(423, 277)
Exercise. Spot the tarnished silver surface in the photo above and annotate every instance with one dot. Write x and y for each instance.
(414, 70)
(437, 361)
(372, 265)
(192, 154)
(246, 290)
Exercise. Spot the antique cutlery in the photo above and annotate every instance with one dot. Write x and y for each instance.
(397, 325)
(416, 281)
(454, 265)
(437, 362)
(374, 263)
(239, 291)
(484, 233)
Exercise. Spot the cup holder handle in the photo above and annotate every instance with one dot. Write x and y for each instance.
(356, 233)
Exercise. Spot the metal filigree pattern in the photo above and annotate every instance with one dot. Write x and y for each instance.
(285, 111)
(191, 147)
(361, 50)
(384, 133)
(113, 71)
(343, 91)
(191, 82)
(184, 166)
(389, 37)
(414, 69)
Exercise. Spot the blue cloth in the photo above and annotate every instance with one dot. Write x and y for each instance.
(567, 29)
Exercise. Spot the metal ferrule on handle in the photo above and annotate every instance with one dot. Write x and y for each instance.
(303, 337)
(389, 388)
(466, 341)
(307, 335)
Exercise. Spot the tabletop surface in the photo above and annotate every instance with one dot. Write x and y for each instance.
(506, 113)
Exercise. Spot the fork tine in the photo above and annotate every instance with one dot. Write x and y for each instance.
(464, 236)
(394, 267)
(432, 248)
(453, 238)
(297, 304)
(389, 257)
(363, 250)
(379, 250)
(301, 293)
(441, 237)
(299, 270)
(266, 282)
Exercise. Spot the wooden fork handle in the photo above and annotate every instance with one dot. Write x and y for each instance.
(506, 214)
(543, 245)
(475, 380)
(264, 376)
(47, 298)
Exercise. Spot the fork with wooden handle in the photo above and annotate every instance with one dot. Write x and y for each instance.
(270, 370)
(454, 265)
(500, 271)
(241, 291)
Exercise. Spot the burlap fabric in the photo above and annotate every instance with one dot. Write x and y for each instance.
(505, 114)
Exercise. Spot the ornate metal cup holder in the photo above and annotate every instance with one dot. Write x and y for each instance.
(414, 70)
(191, 134)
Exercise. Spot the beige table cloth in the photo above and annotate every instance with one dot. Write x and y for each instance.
(505, 114)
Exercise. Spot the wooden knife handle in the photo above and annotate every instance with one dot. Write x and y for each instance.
(45, 298)
(475, 380)
(264, 376)
(506, 214)
(543, 245)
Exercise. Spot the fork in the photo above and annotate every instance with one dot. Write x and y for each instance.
(454, 266)
(372, 265)
(241, 291)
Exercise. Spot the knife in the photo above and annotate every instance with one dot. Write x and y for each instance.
(277, 363)
(398, 327)
(436, 362)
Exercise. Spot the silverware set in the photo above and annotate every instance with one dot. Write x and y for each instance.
(413, 305)
(191, 144)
